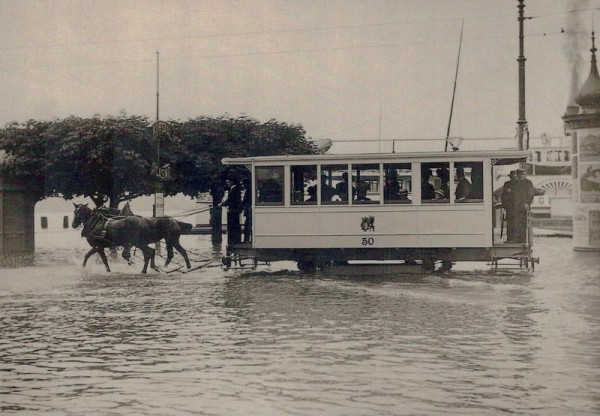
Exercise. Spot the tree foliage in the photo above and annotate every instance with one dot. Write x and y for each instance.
(111, 159)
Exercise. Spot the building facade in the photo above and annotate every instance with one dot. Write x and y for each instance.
(582, 122)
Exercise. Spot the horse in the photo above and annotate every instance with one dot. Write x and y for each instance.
(111, 213)
(100, 221)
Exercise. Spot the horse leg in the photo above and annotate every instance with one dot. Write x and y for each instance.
(182, 251)
(127, 254)
(103, 257)
(88, 255)
(169, 253)
(148, 257)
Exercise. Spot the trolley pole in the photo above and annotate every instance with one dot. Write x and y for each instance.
(522, 122)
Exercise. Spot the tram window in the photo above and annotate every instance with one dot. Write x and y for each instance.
(435, 182)
(365, 183)
(44, 223)
(468, 182)
(398, 183)
(303, 184)
(269, 185)
(334, 184)
(65, 222)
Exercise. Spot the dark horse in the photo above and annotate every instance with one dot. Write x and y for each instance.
(101, 231)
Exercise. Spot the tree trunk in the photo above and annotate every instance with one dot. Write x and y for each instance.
(216, 216)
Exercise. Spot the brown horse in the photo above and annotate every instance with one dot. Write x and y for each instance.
(102, 229)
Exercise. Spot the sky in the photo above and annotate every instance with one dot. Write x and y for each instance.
(347, 70)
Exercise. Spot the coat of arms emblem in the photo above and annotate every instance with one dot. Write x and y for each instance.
(368, 223)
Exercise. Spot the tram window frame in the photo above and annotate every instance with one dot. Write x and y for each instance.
(370, 187)
(327, 178)
(436, 181)
(304, 176)
(404, 194)
(261, 176)
(474, 174)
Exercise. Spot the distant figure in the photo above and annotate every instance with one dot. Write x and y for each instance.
(427, 189)
(524, 191)
(463, 186)
(247, 210)
(507, 199)
(233, 202)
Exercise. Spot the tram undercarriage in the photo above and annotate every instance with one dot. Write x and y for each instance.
(429, 259)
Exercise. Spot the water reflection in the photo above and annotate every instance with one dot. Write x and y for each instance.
(277, 342)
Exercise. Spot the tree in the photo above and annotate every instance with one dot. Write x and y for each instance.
(205, 141)
(111, 159)
(106, 159)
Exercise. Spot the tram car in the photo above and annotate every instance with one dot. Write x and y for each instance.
(424, 209)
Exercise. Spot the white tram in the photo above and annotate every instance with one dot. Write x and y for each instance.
(411, 208)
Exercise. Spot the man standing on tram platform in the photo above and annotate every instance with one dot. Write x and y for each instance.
(233, 202)
(508, 198)
(247, 208)
(524, 191)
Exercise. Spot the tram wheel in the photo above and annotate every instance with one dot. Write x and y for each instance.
(429, 264)
(306, 266)
(446, 265)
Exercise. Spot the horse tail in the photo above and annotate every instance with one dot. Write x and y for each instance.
(186, 227)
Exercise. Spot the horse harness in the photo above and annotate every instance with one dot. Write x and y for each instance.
(90, 225)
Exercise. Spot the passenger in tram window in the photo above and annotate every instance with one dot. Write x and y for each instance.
(463, 187)
(403, 192)
(427, 189)
(271, 189)
(361, 193)
(327, 191)
(391, 191)
(341, 189)
(444, 174)
(233, 202)
(312, 193)
(247, 209)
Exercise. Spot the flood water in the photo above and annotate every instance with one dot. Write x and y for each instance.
(274, 342)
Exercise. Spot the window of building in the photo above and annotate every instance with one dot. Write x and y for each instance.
(303, 185)
(397, 188)
(435, 182)
(335, 184)
(44, 223)
(269, 185)
(567, 156)
(468, 182)
(65, 222)
(365, 183)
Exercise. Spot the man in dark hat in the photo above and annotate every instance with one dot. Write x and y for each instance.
(233, 202)
(524, 191)
(507, 199)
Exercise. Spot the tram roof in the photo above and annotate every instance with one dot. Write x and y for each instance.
(503, 157)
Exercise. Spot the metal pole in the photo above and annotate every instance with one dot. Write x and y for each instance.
(522, 122)
(157, 84)
(454, 90)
